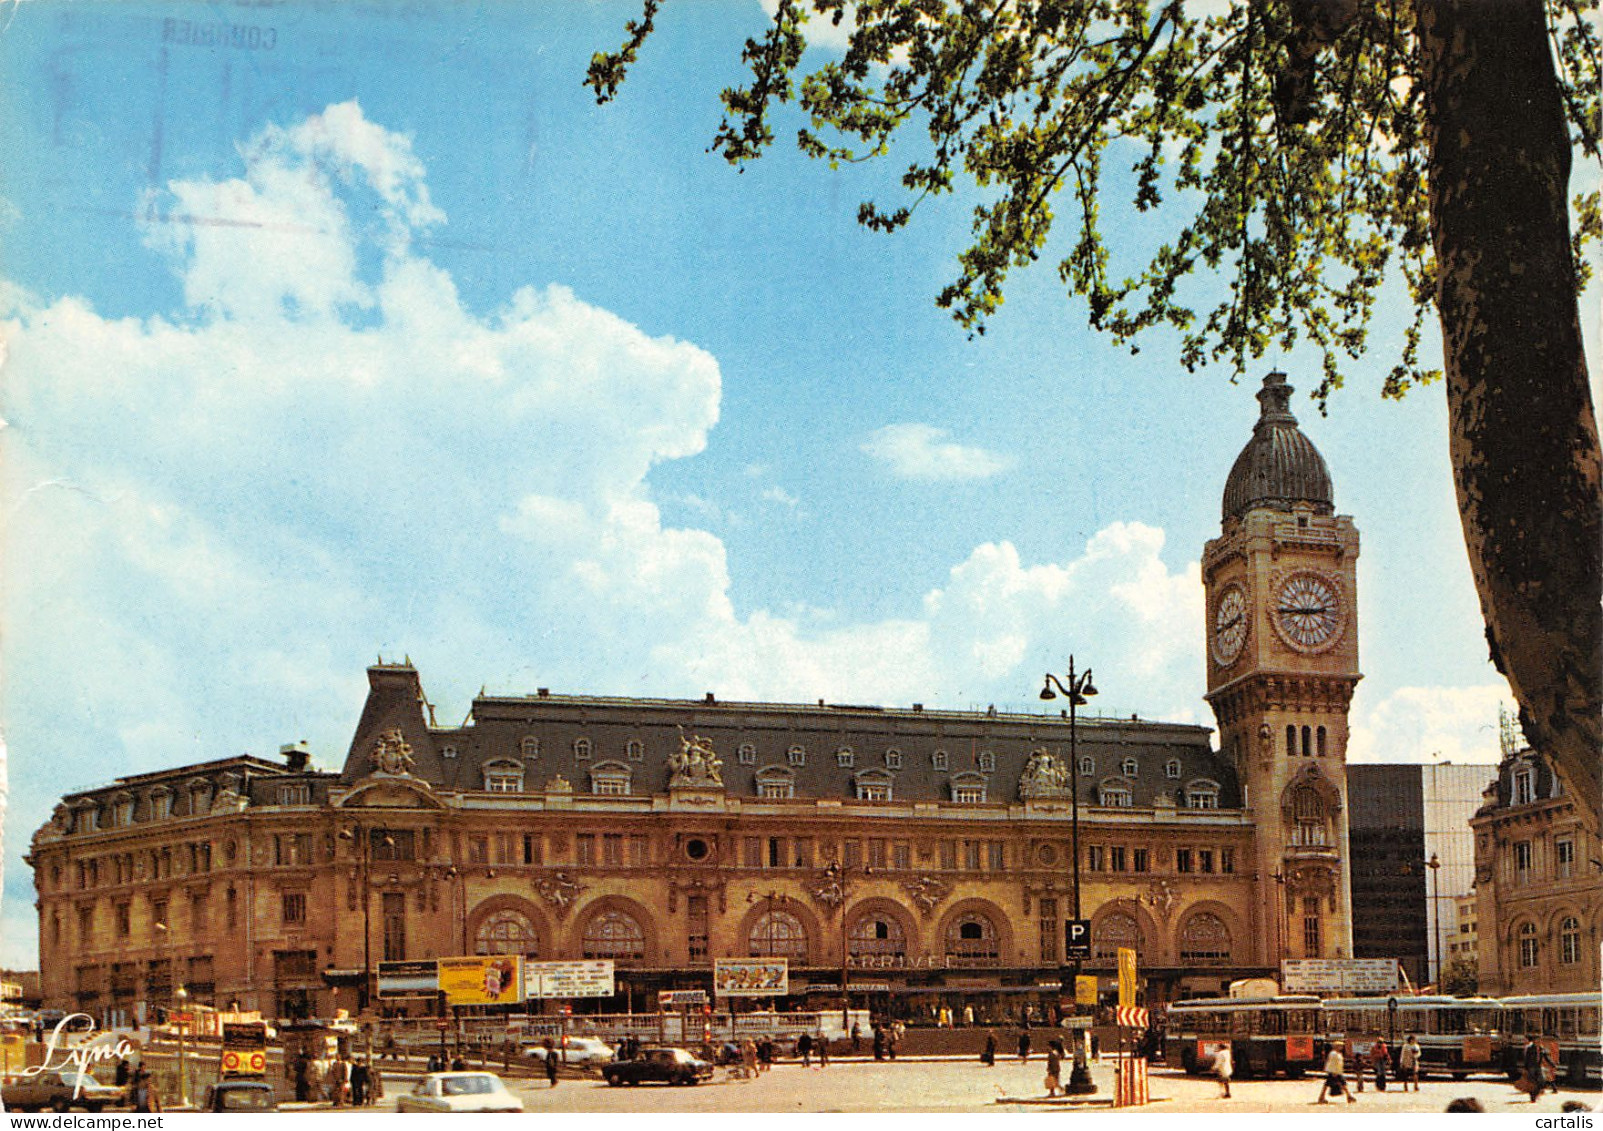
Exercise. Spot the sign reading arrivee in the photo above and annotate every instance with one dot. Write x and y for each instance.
(1076, 939)
(1339, 975)
(581, 978)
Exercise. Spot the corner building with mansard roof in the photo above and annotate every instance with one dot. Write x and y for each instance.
(666, 833)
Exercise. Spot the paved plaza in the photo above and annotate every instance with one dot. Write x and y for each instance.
(967, 1086)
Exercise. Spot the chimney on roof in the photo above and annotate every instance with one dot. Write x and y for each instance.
(710, 698)
(296, 755)
(545, 693)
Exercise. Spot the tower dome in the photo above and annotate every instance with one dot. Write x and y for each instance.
(1279, 466)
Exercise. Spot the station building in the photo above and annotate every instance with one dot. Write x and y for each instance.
(923, 858)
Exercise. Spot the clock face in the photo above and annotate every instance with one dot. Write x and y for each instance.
(1229, 625)
(1308, 613)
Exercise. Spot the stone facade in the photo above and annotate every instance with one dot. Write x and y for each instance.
(1538, 883)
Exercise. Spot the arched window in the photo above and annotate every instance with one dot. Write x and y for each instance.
(1530, 951)
(1307, 742)
(530, 747)
(747, 754)
(938, 760)
(1129, 767)
(972, 938)
(1308, 813)
(776, 783)
(581, 748)
(1171, 768)
(1205, 939)
(636, 750)
(876, 935)
(507, 932)
(1087, 765)
(1291, 741)
(503, 776)
(1319, 742)
(778, 934)
(844, 756)
(1202, 794)
(616, 935)
(1113, 930)
(893, 759)
(797, 756)
(1569, 940)
(611, 779)
(987, 760)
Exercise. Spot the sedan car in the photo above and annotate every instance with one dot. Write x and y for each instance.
(663, 1066)
(583, 1052)
(459, 1091)
(240, 1094)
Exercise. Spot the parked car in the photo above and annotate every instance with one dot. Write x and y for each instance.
(60, 1089)
(459, 1091)
(663, 1066)
(584, 1052)
(240, 1094)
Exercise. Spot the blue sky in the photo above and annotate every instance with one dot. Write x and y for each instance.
(366, 331)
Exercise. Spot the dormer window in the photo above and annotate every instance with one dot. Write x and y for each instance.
(938, 760)
(122, 810)
(1524, 779)
(873, 785)
(199, 796)
(893, 759)
(796, 756)
(1202, 794)
(610, 779)
(1171, 769)
(1087, 766)
(845, 757)
(295, 793)
(747, 754)
(776, 783)
(968, 789)
(161, 803)
(636, 750)
(581, 748)
(987, 761)
(503, 776)
(1114, 795)
(529, 747)
(1129, 768)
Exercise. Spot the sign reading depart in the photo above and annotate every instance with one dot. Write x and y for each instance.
(584, 978)
(1339, 975)
(482, 980)
(751, 977)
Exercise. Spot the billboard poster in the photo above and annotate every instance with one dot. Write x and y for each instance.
(751, 977)
(1126, 976)
(584, 978)
(491, 979)
(412, 978)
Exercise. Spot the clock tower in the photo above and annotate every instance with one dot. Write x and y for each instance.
(1282, 657)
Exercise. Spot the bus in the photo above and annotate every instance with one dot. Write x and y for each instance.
(1283, 1034)
(1457, 1035)
(1569, 1025)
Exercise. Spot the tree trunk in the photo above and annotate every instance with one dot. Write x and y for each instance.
(1523, 435)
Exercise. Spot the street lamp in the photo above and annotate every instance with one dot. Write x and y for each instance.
(182, 994)
(836, 871)
(1077, 689)
(363, 838)
(1279, 876)
(1434, 864)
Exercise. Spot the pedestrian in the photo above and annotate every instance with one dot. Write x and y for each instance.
(1224, 1067)
(375, 1086)
(748, 1057)
(988, 1056)
(1335, 1083)
(1024, 1045)
(1054, 1068)
(1360, 1058)
(765, 1054)
(968, 1016)
(804, 1049)
(1536, 1062)
(891, 1040)
(1380, 1062)
(303, 1078)
(361, 1081)
(1408, 1063)
(551, 1062)
(857, 1038)
(822, 1045)
(145, 1096)
(339, 1075)
(879, 1042)
(124, 1072)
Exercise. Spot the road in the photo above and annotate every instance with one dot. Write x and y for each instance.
(966, 1086)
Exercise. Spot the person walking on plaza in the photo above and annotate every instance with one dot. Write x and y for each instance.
(144, 1094)
(1408, 1063)
(1380, 1062)
(1224, 1067)
(1054, 1068)
(359, 1084)
(1024, 1045)
(804, 1049)
(821, 1043)
(988, 1056)
(1335, 1083)
(1537, 1065)
(857, 1038)
(551, 1062)
(879, 1041)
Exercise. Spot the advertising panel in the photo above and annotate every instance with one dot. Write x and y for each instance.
(674, 999)
(751, 977)
(584, 978)
(413, 978)
(244, 1048)
(1339, 975)
(494, 979)
(1085, 989)
(1126, 976)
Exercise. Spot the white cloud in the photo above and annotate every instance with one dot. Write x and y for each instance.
(820, 31)
(922, 452)
(781, 496)
(1428, 724)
